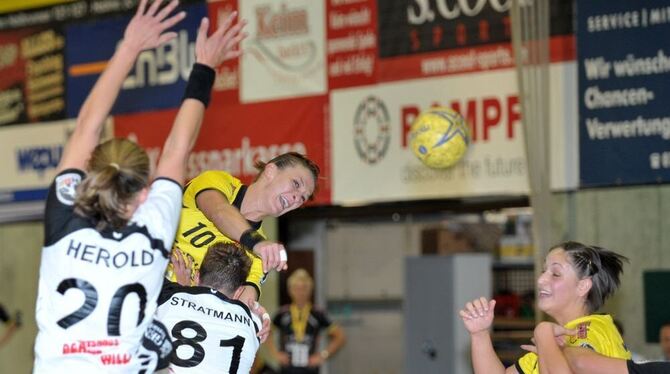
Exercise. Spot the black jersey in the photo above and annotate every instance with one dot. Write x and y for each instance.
(648, 367)
(211, 333)
(98, 290)
(299, 330)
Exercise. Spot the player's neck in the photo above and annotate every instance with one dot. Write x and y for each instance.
(301, 304)
(251, 207)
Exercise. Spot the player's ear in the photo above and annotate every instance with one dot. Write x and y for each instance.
(270, 171)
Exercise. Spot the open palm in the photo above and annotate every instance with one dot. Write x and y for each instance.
(478, 315)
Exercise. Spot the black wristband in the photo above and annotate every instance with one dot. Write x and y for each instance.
(200, 83)
(250, 238)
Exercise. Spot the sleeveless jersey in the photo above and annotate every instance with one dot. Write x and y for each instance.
(210, 332)
(196, 232)
(596, 332)
(97, 290)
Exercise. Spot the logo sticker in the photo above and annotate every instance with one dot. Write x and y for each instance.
(371, 130)
(66, 187)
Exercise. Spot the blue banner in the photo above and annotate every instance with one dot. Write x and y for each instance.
(624, 91)
(159, 76)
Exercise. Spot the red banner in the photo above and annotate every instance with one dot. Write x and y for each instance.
(352, 43)
(234, 137)
(32, 85)
(227, 85)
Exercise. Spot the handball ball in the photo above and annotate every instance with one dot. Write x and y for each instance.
(439, 137)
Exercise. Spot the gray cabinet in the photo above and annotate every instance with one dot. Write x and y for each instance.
(436, 288)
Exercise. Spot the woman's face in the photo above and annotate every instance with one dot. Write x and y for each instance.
(560, 292)
(300, 292)
(288, 188)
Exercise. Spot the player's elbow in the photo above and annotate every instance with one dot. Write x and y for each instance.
(580, 364)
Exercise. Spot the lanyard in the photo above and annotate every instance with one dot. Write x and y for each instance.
(299, 318)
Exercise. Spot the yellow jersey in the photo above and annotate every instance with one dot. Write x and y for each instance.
(195, 232)
(596, 332)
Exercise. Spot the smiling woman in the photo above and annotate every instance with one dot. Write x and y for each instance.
(575, 282)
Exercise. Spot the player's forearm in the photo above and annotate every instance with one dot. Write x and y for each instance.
(100, 100)
(97, 106)
(484, 358)
(550, 357)
(228, 220)
(337, 340)
(182, 137)
(584, 361)
(187, 124)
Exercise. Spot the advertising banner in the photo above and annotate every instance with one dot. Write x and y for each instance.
(372, 160)
(32, 88)
(159, 76)
(421, 38)
(624, 70)
(370, 135)
(227, 84)
(234, 138)
(352, 43)
(29, 155)
(284, 54)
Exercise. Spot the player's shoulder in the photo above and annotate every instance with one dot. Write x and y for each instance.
(602, 323)
(216, 176)
(317, 310)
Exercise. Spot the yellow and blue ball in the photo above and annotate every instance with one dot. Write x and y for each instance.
(439, 137)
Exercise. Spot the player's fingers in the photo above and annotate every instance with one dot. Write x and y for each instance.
(273, 256)
(485, 303)
(202, 33)
(141, 8)
(492, 305)
(465, 315)
(471, 309)
(172, 21)
(167, 9)
(478, 307)
(283, 258)
(225, 25)
(154, 7)
(529, 348)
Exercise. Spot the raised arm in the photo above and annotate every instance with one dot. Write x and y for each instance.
(550, 356)
(145, 31)
(232, 224)
(210, 51)
(478, 318)
(585, 361)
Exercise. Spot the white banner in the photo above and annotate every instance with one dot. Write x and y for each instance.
(284, 54)
(29, 154)
(371, 160)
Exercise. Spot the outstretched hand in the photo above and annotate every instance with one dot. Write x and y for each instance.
(478, 315)
(181, 266)
(222, 45)
(146, 29)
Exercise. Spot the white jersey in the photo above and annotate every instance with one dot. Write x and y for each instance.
(98, 290)
(210, 332)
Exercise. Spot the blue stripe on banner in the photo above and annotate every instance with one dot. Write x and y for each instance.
(23, 195)
(159, 77)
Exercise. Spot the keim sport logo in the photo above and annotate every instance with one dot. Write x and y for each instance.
(283, 41)
(371, 130)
